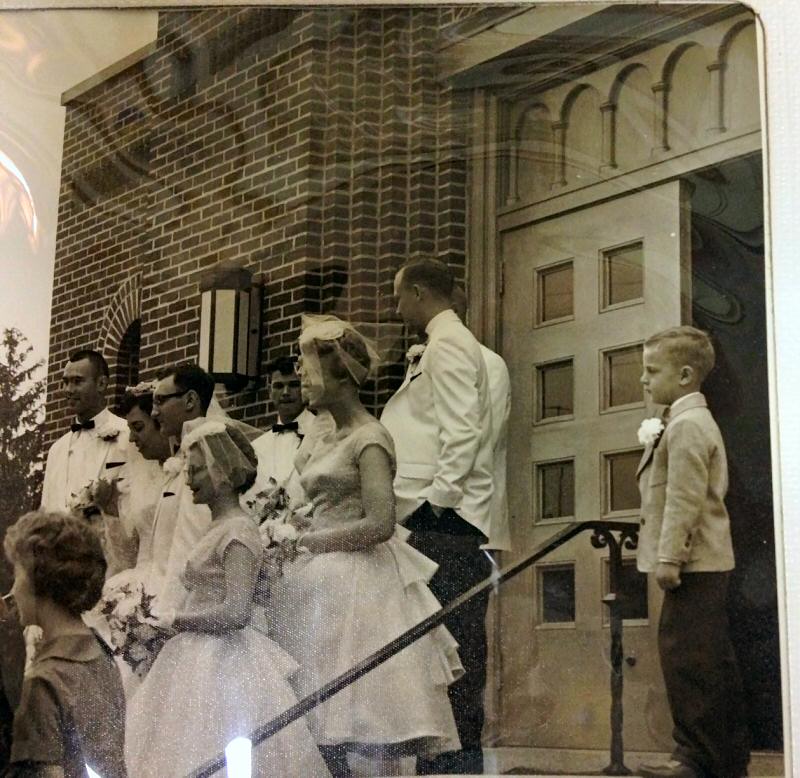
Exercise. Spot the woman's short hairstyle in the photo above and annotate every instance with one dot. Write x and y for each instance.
(686, 346)
(129, 401)
(351, 343)
(63, 558)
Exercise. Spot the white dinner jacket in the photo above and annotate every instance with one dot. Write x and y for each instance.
(500, 395)
(77, 458)
(441, 422)
(276, 452)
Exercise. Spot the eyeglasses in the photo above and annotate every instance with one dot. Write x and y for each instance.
(160, 399)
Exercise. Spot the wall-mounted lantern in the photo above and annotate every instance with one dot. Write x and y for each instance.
(230, 324)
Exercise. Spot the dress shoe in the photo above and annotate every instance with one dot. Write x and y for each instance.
(671, 769)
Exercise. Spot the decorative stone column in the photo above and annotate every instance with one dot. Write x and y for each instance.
(609, 150)
(660, 110)
(716, 72)
(559, 142)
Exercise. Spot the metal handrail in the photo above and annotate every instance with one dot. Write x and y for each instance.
(602, 537)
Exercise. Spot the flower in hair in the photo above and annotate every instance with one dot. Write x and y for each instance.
(142, 388)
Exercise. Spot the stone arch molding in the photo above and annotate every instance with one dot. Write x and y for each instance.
(122, 311)
(670, 117)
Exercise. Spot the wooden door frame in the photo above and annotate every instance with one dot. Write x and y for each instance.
(484, 264)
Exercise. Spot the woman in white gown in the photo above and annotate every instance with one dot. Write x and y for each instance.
(218, 678)
(129, 509)
(361, 585)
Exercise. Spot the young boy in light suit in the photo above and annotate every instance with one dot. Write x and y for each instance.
(685, 539)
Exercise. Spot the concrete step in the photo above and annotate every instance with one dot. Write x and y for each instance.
(561, 763)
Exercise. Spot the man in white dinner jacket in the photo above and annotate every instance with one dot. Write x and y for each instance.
(94, 447)
(500, 396)
(277, 447)
(441, 422)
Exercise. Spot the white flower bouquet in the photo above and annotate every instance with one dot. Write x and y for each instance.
(137, 634)
(279, 527)
(270, 504)
(93, 499)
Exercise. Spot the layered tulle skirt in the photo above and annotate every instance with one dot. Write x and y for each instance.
(202, 692)
(332, 610)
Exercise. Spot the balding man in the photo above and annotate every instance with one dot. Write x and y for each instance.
(441, 422)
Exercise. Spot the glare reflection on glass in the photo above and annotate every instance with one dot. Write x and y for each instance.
(237, 758)
(15, 194)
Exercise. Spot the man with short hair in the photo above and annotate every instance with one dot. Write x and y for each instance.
(277, 447)
(94, 447)
(181, 397)
(441, 422)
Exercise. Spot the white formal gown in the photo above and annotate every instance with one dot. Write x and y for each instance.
(205, 689)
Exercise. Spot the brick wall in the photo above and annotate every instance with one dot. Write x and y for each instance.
(316, 146)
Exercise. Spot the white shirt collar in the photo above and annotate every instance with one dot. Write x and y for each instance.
(303, 419)
(441, 318)
(680, 400)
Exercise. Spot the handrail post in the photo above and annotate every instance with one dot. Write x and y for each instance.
(603, 537)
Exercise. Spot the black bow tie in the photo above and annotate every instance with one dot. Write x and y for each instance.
(290, 426)
(77, 426)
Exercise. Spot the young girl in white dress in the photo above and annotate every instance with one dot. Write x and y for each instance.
(218, 678)
(361, 584)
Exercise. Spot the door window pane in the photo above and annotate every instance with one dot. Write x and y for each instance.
(555, 390)
(557, 594)
(622, 490)
(623, 369)
(632, 590)
(554, 293)
(556, 490)
(623, 274)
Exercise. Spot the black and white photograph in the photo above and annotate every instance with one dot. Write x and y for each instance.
(396, 390)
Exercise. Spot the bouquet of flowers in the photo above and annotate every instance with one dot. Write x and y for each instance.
(83, 502)
(279, 526)
(136, 634)
(99, 495)
(270, 504)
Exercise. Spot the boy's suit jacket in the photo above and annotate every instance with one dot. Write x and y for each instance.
(683, 480)
(441, 422)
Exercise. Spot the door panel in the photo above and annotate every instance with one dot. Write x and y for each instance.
(629, 265)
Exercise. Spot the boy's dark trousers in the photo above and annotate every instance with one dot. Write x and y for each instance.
(702, 677)
(454, 545)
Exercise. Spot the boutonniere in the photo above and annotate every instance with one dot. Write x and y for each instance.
(414, 354)
(173, 466)
(650, 431)
(108, 434)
